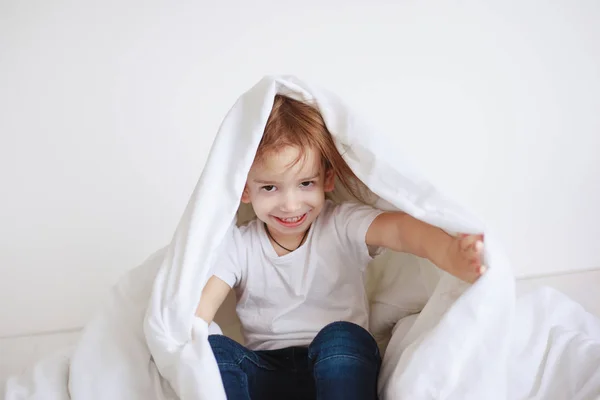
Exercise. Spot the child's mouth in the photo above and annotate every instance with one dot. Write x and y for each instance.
(291, 222)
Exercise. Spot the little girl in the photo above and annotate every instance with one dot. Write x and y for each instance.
(298, 269)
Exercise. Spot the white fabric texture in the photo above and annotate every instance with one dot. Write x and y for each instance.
(455, 341)
(286, 300)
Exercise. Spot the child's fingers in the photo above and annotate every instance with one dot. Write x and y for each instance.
(478, 246)
(468, 242)
(464, 235)
(481, 238)
(475, 262)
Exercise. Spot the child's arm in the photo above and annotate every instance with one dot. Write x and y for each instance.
(459, 256)
(213, 295)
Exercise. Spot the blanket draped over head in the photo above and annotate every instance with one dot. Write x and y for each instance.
(443, 339)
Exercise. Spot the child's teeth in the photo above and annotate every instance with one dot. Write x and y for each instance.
(295, 219)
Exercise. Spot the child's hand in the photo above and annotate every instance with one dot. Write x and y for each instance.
(464, 258)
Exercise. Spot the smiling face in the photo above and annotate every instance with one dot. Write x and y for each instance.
(285, 194)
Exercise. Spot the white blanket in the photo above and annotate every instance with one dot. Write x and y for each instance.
(453, 341)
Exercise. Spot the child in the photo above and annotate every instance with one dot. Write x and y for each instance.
(297, 269)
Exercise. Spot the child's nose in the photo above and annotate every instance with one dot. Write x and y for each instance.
(290, 204)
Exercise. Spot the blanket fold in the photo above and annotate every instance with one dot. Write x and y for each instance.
(443, 339)
(440, 331)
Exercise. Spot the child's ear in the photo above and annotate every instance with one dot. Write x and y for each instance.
(246, 195)
(329, 180)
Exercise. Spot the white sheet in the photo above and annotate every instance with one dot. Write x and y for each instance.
(467, 342)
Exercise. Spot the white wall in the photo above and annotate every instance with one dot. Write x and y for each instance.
(108, 110)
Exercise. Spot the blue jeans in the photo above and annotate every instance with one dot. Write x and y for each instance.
(342, 362)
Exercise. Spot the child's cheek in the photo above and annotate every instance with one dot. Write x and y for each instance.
(314, 196)
(266, 201)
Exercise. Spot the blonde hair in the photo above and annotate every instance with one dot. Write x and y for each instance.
(298, 124)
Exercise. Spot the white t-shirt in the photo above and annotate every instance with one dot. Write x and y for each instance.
(284, 301)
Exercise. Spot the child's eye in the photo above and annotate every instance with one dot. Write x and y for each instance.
(307, 183)
(268, 188)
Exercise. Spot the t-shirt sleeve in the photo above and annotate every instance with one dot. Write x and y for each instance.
(228, 266)
(352, 221)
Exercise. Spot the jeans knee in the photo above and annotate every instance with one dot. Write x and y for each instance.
(347, 340)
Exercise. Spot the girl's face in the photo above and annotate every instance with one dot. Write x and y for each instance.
(288, 198)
